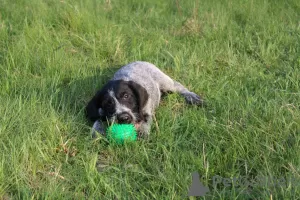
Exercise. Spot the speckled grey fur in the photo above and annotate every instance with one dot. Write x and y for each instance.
(154, 81)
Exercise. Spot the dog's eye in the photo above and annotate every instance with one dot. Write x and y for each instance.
(125, 96)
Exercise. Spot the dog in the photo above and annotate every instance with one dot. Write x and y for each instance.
(132, 96)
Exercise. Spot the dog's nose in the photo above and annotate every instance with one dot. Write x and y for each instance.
(124, 118)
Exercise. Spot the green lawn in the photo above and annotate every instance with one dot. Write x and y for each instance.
(242, 56)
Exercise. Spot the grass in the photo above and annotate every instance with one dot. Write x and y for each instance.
(242, 56)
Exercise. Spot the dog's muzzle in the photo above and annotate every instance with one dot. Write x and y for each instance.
(124, 118)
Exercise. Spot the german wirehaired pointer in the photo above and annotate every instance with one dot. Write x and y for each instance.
(132, 95)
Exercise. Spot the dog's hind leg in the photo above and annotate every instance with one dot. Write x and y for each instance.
(169, 85)
(190, 97)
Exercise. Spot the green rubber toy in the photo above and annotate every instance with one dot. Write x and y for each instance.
(121, 133)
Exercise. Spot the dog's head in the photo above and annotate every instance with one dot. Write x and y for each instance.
(119, 101)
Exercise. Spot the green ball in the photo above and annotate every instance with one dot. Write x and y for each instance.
(121, 133)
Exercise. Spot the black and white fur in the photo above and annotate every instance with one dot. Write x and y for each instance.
(132, 95)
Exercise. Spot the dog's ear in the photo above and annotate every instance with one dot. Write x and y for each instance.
(92, 108)
(141, 95)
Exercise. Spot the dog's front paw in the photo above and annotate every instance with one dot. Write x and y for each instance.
(98, 127)
(143, 130)
(194, 99)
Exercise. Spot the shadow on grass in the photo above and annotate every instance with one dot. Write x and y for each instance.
(70, 97)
